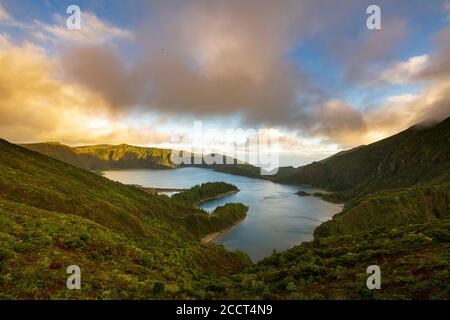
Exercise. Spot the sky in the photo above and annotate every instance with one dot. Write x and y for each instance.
(145, 72)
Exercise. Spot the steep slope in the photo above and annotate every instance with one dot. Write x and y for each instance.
(125, 240)
(104, 157)
(392, 207)
(400, 180)
(132, 245)
(418, 154)
(414, 261)
(100, 157)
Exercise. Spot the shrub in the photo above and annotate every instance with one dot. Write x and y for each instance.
(291, 287)
(159, 288)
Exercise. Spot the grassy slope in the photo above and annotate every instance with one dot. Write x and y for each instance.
(387, 217)
(124, 239)
(103, 157)
(396, 216)
(222, 217)
(417, 204)
(419, 154)
(153, 254)
(414, 262)
(399, 180)
(106, 156)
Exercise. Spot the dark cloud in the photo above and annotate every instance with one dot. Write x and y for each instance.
(102, 70)
(208, 58)
(214, 58)
(439, 67)
(372, 50)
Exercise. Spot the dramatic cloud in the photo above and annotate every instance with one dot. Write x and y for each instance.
(338, 120)
(364, 54)
(439, 67)
(243, 60)
(225, 58)
(221, 58)
(101, 70)
(36, 106)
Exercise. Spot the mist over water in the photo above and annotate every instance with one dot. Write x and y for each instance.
(277, 219)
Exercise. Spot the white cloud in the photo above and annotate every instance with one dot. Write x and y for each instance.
(4, 41)
(4, 15)
(404, 72)
(93, 30)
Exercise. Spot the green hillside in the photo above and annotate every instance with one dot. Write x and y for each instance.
(393, 207)
(104, 157)
(101, 157)
(133, 245)
(400, 180)
(418, 154)
(125, 240)
(414, 261)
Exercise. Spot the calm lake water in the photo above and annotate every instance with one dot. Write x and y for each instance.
(278, 219)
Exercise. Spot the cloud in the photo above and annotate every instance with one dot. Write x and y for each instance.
(224, 58)
(221, 58)
(4, 15)
(404, 72)
(35, 105)
(338, 120)
(101, 70)
(348, 126)
(365, 54)
(204, 59)
(227, 67)
(93, 30)
(439, 66)
(446, 7)
(30, 99)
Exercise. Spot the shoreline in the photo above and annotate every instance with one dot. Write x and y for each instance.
(212, 236)
(157, 190)
(220, 195)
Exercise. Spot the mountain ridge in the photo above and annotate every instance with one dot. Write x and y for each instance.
(132, 245)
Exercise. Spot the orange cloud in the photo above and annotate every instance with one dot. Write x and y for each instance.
(35, 105)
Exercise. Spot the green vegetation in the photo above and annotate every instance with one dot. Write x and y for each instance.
(102, 157)
(220, 219)
(131, 244)
(203, 192)
(417, 204)
(125, 240)
(399, 180)
(302, 193)
(416, 155)
(123, 156)
(414, 262)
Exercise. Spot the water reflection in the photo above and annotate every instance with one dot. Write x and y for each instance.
(278, 219)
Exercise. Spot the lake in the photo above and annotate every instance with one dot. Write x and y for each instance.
(277, 219)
